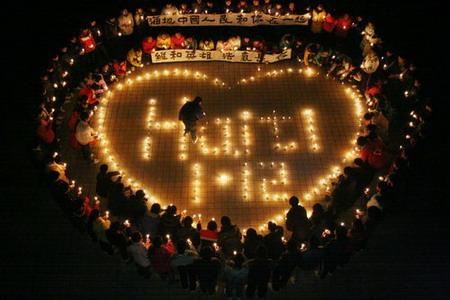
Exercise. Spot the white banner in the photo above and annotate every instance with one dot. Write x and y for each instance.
(166, 56)
(232, 19)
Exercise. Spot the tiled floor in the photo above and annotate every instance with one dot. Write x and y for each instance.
(254, 191)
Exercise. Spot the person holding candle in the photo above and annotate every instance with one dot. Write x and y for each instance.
(242, 7)
(118, 239)
(191, 43)
(150, 221)
(267, 7)
(178, 41)
(255, 7)
(170, 222)
(159, 255)
(118, 197)
(285, 266)
(206, 44)
(312, 258)
(228, 7)
(229, 238)
(198, 7)
(141, 23)
(188, 232)
(343, 25)
(211, 8)
(138, 253)
(206, 269)
(210, 235)
(297, 220)
(97, 227)
(120, 68)
(334, 251)
(85, 135)
(82, 209)
(273, 241)
(318, 18)
(148, 47)
(163, 41)
(184, 9)
(182, 260)
(134, 57)
(169, 10)
(329, 23)
(235, 274)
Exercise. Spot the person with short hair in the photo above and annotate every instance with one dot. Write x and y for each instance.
(182, 260)
(210, 235)
(85, 135)
(150, 221)
(188, 232)
(235, 274)
(206, 44)
(297, 220)
(206, 270)
(134, 57)
(126, 22)
(159, 254)
(251, 241)
(163, 41)
(170, 222)
(169, 9)
(229, 238)
(198, 7)
(259, 273)
(334, 251)
(177, 41)
(274, 241)
(97, 226)
(118, 239)
(191, 43)
(138, 252)
(148, 47)
(318, 18)
(189, 114)
(285, 266)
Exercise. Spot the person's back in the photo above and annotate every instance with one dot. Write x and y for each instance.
(190, 111)
(207, 270)
(104, 182)
(230, 239)
(297, 222)
(169, 224)
(259, 272)
(274, 244)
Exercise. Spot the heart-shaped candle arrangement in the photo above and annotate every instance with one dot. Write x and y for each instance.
(270, 133)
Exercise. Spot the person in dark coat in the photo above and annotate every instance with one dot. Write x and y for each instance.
(188, 232)
(297, 220)
(259, 273)
(170, 222)
(105, 181)
(150, 221)
(274, 241)
(286, 265)
(207, 269)
(251, 242)
(335, 251)
(190, 113)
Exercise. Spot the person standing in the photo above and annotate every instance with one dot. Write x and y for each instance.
(190, 113)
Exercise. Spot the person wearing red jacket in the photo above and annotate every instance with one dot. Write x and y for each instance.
(329, 24)
(120, 68)
(159, 255)
(177, 41)
(92, 100)
(343, 25)
(148, 45)
(373, 153)
(45, 131)
(87, 41)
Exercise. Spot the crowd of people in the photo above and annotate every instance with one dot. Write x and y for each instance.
(203, 255)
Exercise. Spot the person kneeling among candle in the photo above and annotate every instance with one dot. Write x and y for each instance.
(189, 114)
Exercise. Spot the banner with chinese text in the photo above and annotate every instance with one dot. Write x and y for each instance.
(166, 56)
(233, 19)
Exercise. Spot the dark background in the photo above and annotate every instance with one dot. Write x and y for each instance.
(407, 257)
